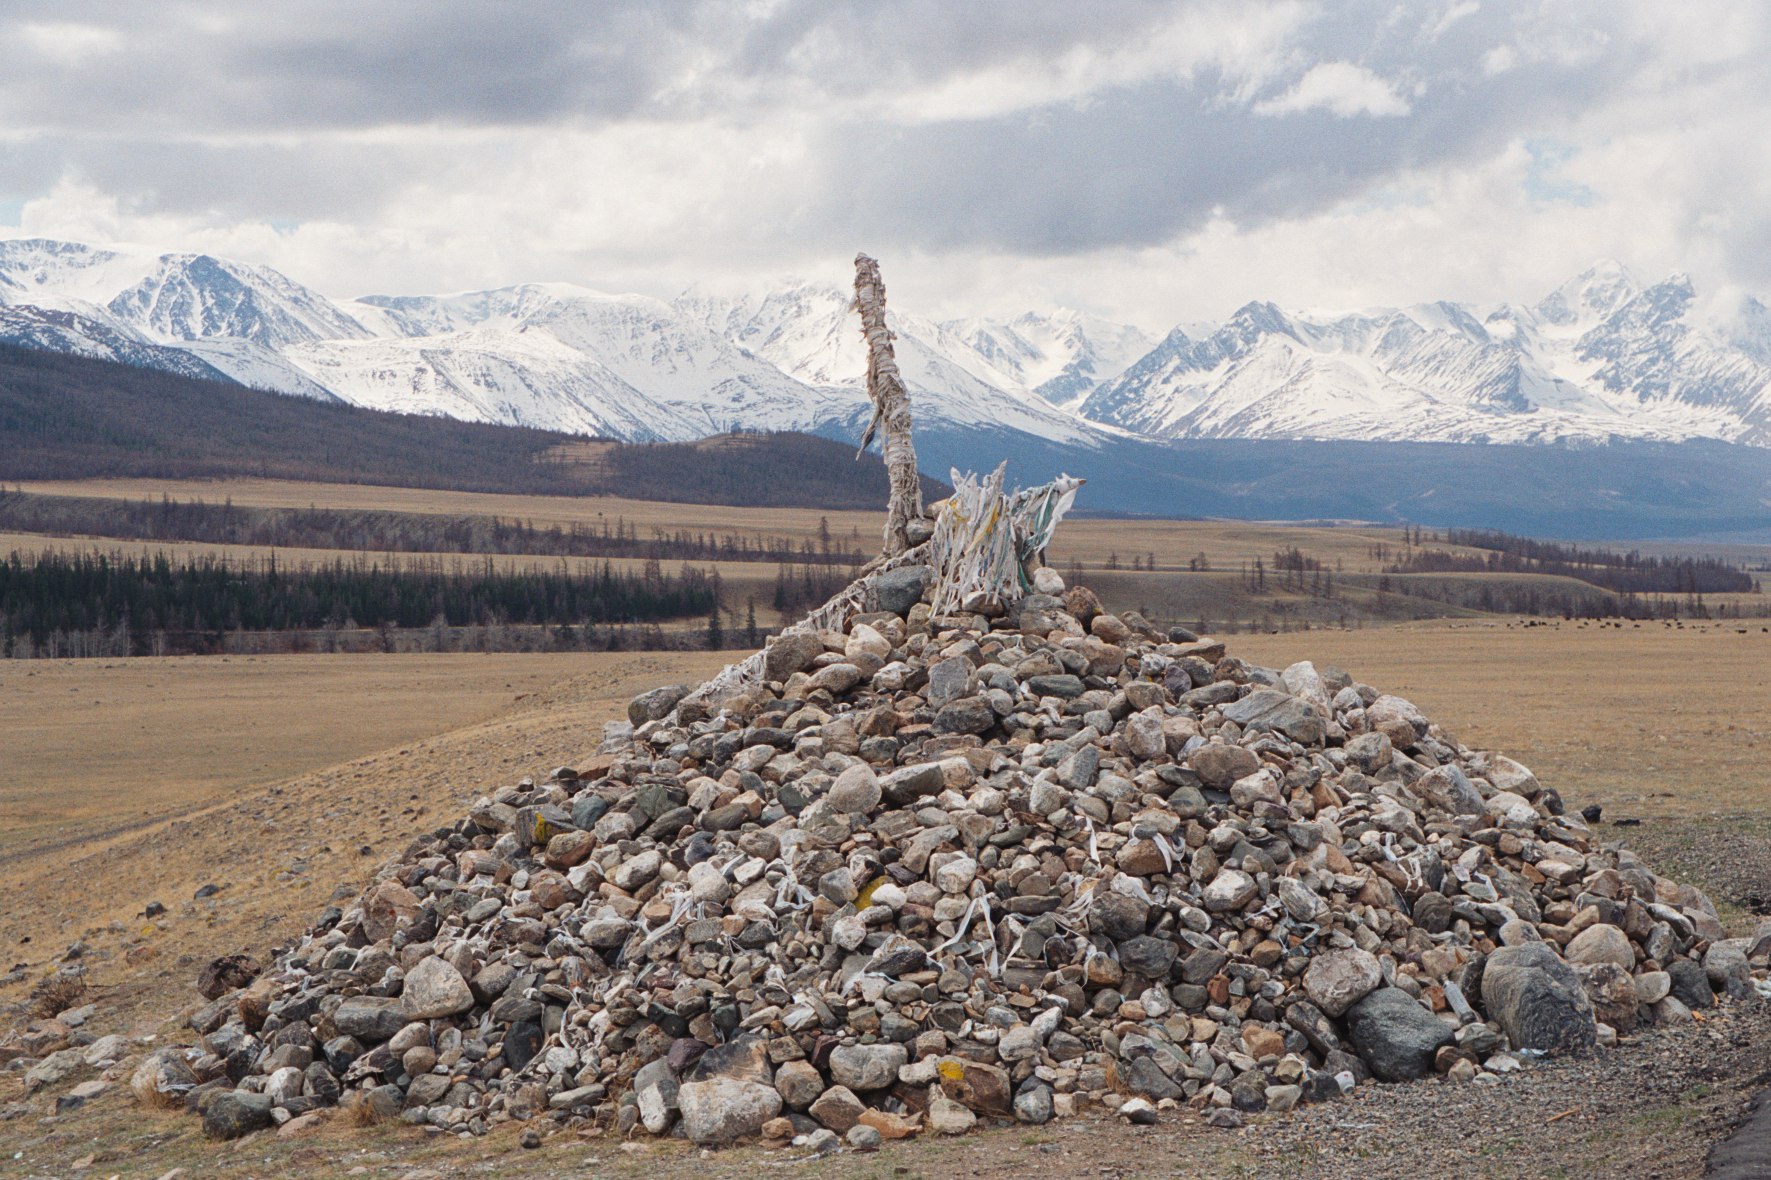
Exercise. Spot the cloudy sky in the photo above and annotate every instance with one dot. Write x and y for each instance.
(1152, 161)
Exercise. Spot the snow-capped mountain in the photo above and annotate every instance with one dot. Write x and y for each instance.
(1062, 356)
(564, 357)
(1602, 357)
(1599, 358)
(808, 332)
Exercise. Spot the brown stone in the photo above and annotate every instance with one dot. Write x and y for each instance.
(889, 1125)
(1261, 1041)
(984, 1088)
(568, 849)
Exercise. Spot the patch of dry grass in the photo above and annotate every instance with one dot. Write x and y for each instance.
(92, 746)
(55, 995)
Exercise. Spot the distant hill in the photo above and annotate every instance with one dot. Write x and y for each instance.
(72, 417)
(66, 417)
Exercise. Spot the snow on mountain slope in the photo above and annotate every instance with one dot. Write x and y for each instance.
(196, 297)
(65, 275)
(171, 297)
(53, 329)
(1062, 356)
(567, 358)
(1587, 298)
(485, 375)
(807, 330)
(1601, 357)
(246, 362)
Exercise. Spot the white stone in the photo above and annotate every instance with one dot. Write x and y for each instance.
(957, 875)
(721, 1110)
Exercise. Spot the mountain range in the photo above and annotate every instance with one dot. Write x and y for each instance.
(1603, 359)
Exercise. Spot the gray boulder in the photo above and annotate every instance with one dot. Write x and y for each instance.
(1690, 984)
(1612, 991)
(1117, 916)
(1267, 708)
(55, 1068)
(900, 589)
(1727, 967)
(1449, 789)
(723, 1110)
(657, 703)
(1601, 943)
(1336, 980)
(1761, 941)
(234, 1113)
(1395, 1036)
(867, 1067)
(370, 1018)
(790, 652)
(910, 783)
(1539, 1000)
(1059, 684)
(1219, 765)
(434, 988)
(855, 789)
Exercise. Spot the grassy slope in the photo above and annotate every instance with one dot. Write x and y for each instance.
(72, 417)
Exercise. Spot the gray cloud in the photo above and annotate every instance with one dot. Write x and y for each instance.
(708, 134)
(1145, 163)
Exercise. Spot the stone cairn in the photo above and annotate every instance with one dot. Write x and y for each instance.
(1004, 865)
(961, 845)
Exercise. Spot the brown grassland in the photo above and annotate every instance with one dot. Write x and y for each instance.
(285, 780)
(1090, 540)
(258, 778)
(1172, 592)
(99, 746)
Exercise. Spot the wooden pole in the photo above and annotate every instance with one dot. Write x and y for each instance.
(891, 409)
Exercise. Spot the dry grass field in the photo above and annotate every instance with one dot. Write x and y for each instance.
(96, 747)
(1226, 544)
(541, 511)
(224, 782)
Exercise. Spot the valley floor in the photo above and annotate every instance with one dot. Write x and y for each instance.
(171, 775)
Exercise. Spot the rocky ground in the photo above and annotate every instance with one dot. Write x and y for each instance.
(982, 871)
(1652, 1108)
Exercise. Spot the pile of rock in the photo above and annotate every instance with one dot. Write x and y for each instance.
(1003, 865)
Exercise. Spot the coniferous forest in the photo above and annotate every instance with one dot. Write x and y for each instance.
(94, 604)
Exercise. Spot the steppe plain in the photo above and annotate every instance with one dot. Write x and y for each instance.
(285, 780)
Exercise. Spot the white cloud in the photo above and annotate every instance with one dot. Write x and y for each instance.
(1342, 89)
(67, 43)
(1121, 161)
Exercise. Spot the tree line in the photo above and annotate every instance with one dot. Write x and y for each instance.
(1533, 598)
(157, 605)
(227, 523)
(1622, 573)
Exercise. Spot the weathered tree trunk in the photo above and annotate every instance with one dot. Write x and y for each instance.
(985, 541)
(891, 408)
